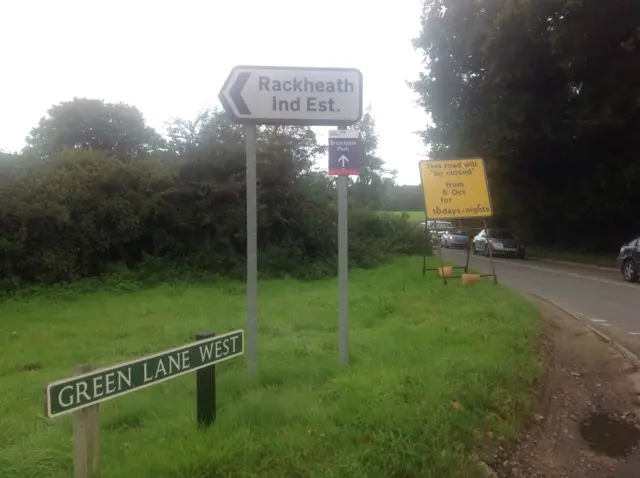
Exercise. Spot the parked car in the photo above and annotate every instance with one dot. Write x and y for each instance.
(629, 260)
(454, 238)
(501, 241)
(436, 229)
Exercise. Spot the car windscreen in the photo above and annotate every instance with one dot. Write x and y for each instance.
(457, 232)
(441, 226)
(501, 235)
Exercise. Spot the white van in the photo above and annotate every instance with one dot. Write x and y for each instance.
(439, 226)
(435, 229)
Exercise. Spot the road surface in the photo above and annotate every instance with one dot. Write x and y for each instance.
(596, 295)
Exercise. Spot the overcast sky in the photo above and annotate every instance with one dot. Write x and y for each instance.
(170, 58)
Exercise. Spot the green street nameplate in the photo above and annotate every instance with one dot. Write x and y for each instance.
(81, 391)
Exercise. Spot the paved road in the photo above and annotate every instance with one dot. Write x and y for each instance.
(598, 296)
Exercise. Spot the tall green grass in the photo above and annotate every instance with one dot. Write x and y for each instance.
(432, 369)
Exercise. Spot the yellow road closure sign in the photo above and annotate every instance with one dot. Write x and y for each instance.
(455, 188)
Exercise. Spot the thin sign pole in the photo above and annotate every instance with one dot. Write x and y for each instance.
(439, 245)
(427, 237)
(343, 269)
(493, 266)
(466, 266)
(424, 252)
(252, 251)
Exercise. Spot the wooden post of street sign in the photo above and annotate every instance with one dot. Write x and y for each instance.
(86, 437)
(206, 390)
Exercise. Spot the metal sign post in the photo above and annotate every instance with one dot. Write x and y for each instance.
(345, 157)
(439, 245)
(281, 95)
(250, 133)
(493, 266)
(343, 270)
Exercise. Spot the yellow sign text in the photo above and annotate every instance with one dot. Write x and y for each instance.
(455, 188)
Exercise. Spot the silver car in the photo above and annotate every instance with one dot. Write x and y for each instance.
(454, 238)
(498, 242)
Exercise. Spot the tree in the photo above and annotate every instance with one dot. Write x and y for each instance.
(404, 198)
(119, 129)
(547, 93)
(82, 210)
(213, 130)
(186, 135)
(373, 179)
(8, 162)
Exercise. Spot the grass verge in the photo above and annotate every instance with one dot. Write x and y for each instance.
(433, 370)
(414, 216)
(601, 260)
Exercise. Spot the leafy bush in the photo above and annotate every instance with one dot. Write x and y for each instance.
(82, 212)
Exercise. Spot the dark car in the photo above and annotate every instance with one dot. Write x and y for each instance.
(501, 241)
(629, 260)
(454, 239)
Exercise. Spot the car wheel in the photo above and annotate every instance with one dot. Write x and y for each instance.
(630, 271)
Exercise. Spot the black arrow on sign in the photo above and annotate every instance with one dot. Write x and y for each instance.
(235, 93)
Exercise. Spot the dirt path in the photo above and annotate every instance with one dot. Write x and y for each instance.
(587, 421)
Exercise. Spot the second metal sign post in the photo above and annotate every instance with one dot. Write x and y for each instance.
(280, 95)
(345, 155)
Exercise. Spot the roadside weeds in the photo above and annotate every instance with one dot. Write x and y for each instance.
(433, 370)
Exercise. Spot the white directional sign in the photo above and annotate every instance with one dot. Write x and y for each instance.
(292, 95)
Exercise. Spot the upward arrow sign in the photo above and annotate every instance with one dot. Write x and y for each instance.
(343, 160)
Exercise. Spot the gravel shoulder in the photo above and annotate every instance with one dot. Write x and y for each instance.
(586, 422)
